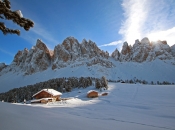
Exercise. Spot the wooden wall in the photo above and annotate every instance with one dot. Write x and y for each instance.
(42, 94)
(92, 95)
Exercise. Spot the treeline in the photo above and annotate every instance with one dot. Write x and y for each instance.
(134, 81)
(59, 84)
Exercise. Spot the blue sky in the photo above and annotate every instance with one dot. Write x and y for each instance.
(106, 22)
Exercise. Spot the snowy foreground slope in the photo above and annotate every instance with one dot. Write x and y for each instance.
(127, 107)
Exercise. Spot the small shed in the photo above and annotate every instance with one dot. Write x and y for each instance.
(46, 95)
(104, 94)
(92, 94)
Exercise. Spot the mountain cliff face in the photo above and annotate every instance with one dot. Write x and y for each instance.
(2, 66)
(173, 50)
(71, 52)
(38, 58)
(145, 50)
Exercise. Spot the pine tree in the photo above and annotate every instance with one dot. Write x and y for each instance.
(15, 16)
(97, 83)
(104, 82)
(69, 86)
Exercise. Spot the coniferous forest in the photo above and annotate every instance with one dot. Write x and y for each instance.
(59, 84)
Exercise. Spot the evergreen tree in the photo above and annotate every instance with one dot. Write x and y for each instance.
(69, 86)
(15, 16)
(104, 82)
(97, 83)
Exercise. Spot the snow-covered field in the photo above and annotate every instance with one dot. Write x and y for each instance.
(126, 107)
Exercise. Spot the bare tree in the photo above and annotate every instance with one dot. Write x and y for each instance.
(15, 16)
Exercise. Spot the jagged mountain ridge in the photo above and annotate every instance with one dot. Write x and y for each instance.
(144, 60)
(40, 58)
(145, 50)
(71, 50)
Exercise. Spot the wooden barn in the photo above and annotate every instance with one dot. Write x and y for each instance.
(46, 95)
(92, 94)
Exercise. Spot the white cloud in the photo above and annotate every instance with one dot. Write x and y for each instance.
(168, 35)
(135, 15)
(6, 52)
(152, 18)
(44, 35)
(112, 43)
(39, 32)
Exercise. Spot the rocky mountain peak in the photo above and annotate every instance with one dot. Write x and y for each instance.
(84, 41)
(71, 50)
(164, 42)
(144, 51)
(41, 46)
(125, 49)
(115, 54)
(70, 40)
(125, 52)
(145, 41)
(40, 58)
(173, 50)
(2, 66)
(137, 41)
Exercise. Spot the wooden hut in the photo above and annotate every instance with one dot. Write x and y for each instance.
(104, 94)
(92, 94)
(46, 95)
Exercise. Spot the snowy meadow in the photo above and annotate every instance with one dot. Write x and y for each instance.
(127, 106)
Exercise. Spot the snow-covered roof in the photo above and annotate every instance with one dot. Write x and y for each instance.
(91, 91)
(50, 91)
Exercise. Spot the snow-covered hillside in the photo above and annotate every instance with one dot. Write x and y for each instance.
(133, 107)
(150, 71)
(145, 60)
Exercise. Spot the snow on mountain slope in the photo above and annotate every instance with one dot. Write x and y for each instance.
(173, 50)
(150, 71)
(2, 66)
(135, 107)
(145, 60)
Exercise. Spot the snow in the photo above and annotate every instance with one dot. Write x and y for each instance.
(36, 100)
(19, 13)
(91, 91)
(51, 91)
(147, 61)
(127, 106)
(2, 65)
(173, 50)
(156, 70)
